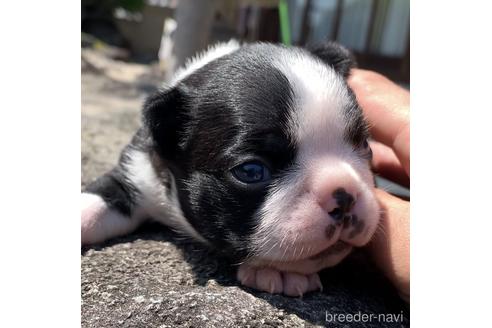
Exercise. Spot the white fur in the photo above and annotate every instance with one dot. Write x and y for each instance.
(213, 52)
(154, 199)
(294, 215)
(319, 97)
(99, 223)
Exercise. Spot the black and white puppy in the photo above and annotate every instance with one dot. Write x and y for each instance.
(259, 151)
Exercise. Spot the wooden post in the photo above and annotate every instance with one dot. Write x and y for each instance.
(194, 20)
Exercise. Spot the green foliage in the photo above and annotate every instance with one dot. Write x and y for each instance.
(104, 5)
(131, 5)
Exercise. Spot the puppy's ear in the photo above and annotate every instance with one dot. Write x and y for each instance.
(164, 117)
(335, 55)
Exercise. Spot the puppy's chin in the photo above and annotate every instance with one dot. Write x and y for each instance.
(315, 255)
(329, 257)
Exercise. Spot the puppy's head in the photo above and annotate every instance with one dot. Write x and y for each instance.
(269, 150)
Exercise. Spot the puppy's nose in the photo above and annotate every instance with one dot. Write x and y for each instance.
(345, 202)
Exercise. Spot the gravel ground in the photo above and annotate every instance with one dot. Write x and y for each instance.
(154, 278)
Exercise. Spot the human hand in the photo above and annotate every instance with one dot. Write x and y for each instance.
(386, 106)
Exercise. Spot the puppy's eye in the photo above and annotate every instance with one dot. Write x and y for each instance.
(251, 172)
(365, 144)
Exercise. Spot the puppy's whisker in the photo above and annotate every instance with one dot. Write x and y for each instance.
(273, 246)
(284, 252)
(283, 239)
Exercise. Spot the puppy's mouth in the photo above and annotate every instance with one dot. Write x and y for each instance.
(308, 264)
(336, 248)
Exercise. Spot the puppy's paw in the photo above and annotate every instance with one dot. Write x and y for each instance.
(278, 282)
(99, 222)
(93, 210)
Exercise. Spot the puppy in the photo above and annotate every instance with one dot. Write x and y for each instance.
(260, 152)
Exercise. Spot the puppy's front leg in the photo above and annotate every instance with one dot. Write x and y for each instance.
(108, 208)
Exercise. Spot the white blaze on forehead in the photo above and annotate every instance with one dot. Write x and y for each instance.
(317, 118)
(216, 51)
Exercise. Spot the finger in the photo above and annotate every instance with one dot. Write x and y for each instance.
(386, 107)
(390, 246)
(386, 164)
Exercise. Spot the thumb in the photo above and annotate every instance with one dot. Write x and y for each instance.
(390, 246)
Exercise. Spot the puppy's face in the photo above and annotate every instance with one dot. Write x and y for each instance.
(269, 151)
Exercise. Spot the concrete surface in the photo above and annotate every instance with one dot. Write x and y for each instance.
(154, 278)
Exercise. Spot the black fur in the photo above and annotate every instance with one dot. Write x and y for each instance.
(235, 110)
(114, 187)
(164, 118)
(232, 110)
(335, 55)
(357, 129)
(115, 191)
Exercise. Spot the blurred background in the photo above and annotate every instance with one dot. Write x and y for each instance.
(131, 47)
(167, 32)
